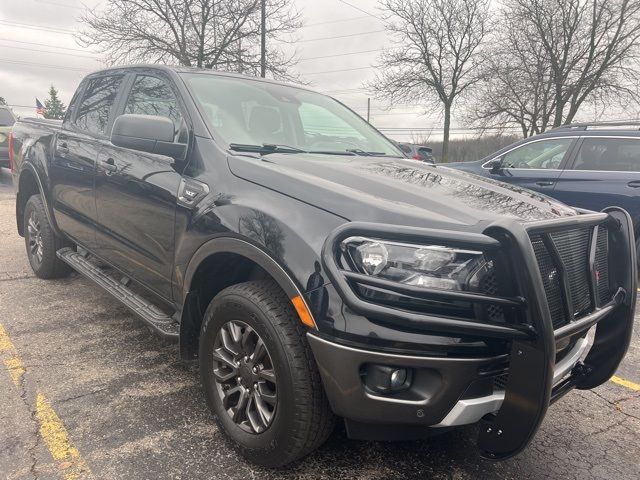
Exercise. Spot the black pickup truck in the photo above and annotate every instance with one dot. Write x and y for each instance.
(312, 271)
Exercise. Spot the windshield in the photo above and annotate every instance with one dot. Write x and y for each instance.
(249, 112)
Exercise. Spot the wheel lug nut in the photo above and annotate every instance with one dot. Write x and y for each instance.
(255, 369)
(255, 386)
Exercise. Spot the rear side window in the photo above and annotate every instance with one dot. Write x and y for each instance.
(425, 153)
(94, 110)
(153, 96)
(609, 154)
(6, 118)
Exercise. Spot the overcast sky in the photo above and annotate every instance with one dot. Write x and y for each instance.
(37, 49)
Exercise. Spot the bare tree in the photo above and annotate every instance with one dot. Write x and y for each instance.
(435, 56)
(554, 56)
(220, 34)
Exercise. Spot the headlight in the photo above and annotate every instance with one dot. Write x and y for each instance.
(429, 266)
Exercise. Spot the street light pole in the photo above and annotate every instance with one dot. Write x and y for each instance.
(263, 39)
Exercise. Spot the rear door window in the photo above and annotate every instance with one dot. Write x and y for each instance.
(609, 155)
(95, 108)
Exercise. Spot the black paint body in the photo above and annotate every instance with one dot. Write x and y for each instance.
(277, 211)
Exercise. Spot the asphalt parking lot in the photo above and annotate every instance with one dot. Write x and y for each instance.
(87, 392)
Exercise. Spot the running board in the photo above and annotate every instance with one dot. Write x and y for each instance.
(157, 320)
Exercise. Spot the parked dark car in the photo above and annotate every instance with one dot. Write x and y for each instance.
(588, 166)
(417, 152)
(313, 271)
(7, 119)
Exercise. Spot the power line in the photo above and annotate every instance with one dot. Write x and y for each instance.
(304, 59)
(335, 21)
(360, 89)
(34, 64)
(358, 8)
(37, 27)
(340, 70)
(58, 4)
(333, 37)
(49, 51)
(44, 45)
(19, 106)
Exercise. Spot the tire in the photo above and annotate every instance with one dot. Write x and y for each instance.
(301, 419)
(41, 242)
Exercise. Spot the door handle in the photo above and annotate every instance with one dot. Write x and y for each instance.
(544, 183)
(634, 184)
(109, 166)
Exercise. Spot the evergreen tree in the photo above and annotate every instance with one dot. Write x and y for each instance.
(53, 107)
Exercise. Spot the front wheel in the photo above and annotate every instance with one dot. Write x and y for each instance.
(42, 242)
(259, 376)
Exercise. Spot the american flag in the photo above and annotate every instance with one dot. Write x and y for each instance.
(39, 108)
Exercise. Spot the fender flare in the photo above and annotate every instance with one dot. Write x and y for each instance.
(28, 166)
(189, 331)
(248, 250)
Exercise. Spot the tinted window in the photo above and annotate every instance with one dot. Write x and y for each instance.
(6, 118)
(152, 96)
(609, 154)
(544, 154)
(425, 153)
(93, 114)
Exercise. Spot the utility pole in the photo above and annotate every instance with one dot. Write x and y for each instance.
(368, 108)
(263, 39)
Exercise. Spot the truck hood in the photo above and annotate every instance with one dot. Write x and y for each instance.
(394, 190)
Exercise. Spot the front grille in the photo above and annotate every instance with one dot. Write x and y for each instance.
(571, 249)
(489, 286)
(601, 265)
(500, 381)
(550, 280)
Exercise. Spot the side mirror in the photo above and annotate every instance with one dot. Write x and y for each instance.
(147, 133)
(495, 165)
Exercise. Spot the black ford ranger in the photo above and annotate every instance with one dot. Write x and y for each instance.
(313, 271)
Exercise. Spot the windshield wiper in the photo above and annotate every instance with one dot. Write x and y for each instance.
(265, 148)
(364, 153)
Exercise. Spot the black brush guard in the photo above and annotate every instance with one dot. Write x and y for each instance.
(529, 390)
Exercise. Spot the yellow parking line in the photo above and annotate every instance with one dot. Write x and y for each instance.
(12, 363)
(626, 383)
(5, 341)
(56, 437)
(51, 429)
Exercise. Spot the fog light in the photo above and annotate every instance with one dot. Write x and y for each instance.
(385, 380)
(398, 377)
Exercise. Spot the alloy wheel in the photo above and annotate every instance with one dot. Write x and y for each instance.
(245, 377)
(34, 231)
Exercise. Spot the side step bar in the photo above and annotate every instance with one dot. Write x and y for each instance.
(157, 320)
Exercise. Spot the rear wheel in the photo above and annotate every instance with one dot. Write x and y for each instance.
(41, 241)
(259, 376)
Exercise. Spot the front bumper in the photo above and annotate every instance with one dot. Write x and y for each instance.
(448, 391)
